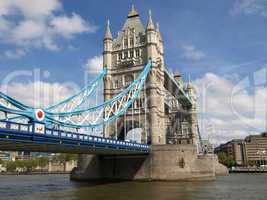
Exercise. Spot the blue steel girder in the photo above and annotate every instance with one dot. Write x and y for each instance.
(76, 101)
(110, 109)
(76, 117)
(37, 138)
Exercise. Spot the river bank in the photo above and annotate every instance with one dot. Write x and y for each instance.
(248, 170)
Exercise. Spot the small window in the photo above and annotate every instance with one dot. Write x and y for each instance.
(120, 55)
(128, 80)
(137, 52)
(116, 84)
(125, 54)
(126, 42)
(119, 83)
(131, 41)
(142, 105)
(131, 54)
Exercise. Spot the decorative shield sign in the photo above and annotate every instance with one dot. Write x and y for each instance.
(39, 128)
(39, 115)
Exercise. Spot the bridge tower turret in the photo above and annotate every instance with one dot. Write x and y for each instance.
(107, 58)
(156, 83)
(193, 113)
(125, 57)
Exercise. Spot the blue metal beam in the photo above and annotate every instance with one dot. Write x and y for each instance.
(15, 136)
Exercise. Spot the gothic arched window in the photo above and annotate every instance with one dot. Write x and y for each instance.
(131, 41)
(137, 52)
(131, 54)
(126, 42)
(120, 56)
(125, 54)
(128, 79)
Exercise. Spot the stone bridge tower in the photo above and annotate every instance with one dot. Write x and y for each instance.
(171, 108)
(125, 57)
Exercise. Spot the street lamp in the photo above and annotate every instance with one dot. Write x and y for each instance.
(261, 153)
(264, 158)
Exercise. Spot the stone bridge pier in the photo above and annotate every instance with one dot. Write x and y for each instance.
(164, 163)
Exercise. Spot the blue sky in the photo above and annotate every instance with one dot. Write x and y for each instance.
(217, 31)
(220, 41)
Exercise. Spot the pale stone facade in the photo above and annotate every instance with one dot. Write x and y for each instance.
(125, 57)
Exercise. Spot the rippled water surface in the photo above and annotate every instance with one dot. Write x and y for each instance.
(58, 187)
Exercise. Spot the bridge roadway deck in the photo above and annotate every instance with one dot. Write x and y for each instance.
(25, 137)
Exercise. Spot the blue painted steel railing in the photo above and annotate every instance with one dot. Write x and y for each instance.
(8, 129)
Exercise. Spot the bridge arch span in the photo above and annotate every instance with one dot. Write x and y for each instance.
(131, 130)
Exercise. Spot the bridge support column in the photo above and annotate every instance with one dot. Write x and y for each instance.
(165, 162)
(194, 122)
(157, 127)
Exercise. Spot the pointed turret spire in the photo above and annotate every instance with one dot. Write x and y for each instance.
(189, 78)
(133, 13)
(108, 34)
(158, 31)
(150, 24)
(189, 86)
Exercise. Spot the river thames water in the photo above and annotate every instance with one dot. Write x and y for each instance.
(58, 187)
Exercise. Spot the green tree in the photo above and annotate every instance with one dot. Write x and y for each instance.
(20, 164)
(42, 161)
(252, 163)
(62, 158)
(11, 166)
(226, 160)
(222, 157)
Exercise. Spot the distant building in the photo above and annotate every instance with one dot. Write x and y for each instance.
(23, 155)
(256, 149)
(8, 156)
(5, 156)
(250, 151)
(233, 149)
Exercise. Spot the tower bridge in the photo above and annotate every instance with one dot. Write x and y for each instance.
(146, 128)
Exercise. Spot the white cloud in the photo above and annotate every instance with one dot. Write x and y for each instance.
(38, 24)
(4, 7)
(39, 94)
(14, 54)
(94, 65)
(68, 26)
(190, 52)
(248, 7)
(228, 110)
(28, 30)
(37, 8)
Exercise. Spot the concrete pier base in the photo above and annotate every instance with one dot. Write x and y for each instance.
(164, 163)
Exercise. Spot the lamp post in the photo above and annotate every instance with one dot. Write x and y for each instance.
(261, 153)
(264, 152)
